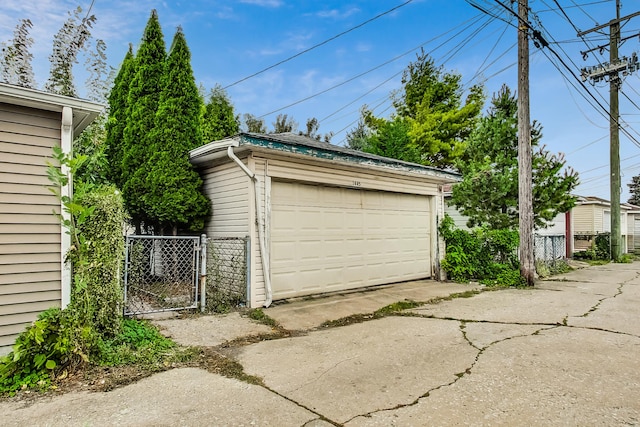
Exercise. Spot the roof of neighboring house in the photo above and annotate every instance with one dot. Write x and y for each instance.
(592, 200)
(304, 146)
(84, 112)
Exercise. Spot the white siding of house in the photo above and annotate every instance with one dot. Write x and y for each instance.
(30, 235)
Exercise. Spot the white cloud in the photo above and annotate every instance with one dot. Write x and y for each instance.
(337, 14)
(264, 3)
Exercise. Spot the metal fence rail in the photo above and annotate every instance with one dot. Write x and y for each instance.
(227, 273)
(161, 273)
(549, 249)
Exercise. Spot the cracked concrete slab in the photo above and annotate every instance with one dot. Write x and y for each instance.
(184, 397)
(482, 335)
(542, 379)
(618, 313)
(602, 274)
(347, 371)
(310, 313)
(211, 330)
(512, 306)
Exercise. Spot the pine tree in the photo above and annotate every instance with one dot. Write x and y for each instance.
(634, 188)
(118, 109)
(15, 58)
(173, 188)
(488, 193)
(218, 119)
(142, 105)
(70, 40)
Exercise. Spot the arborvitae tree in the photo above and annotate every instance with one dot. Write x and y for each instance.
(284, 124)
(488, 193)
(254, 124)
(218, 118)
(173, 188)
(118, 110)
(391, 139)
(15, 57)
(70, 40)
(634, 188)
(143, 98)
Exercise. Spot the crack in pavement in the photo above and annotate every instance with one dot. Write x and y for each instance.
(321, 375)
(469, 369)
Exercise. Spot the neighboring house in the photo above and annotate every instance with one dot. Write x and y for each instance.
(592, 216)
(33, 275)
(633, 228)
(320, 217)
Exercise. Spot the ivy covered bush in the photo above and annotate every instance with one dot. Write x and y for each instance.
(489, 256)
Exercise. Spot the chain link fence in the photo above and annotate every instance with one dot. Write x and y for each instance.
(550, 249)
(227, 273)
(161, 273)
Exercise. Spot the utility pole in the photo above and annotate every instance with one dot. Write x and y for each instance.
(597, 73)
(525, 193)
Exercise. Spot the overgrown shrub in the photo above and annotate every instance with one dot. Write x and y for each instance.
(62, 339)
(489, 256)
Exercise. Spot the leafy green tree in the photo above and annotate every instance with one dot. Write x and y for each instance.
(15, 57)
(173, 189)
(488, 193)
(142, 105)
(254, 124)
(390, 138)
(438, 120)
(68, 42)
(117, 121)
(284, 124)
(634, 188)
(312, 127)
(218, 118)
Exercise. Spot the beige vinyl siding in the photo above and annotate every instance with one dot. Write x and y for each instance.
(30, 235)
(459, 220)
(228, 189)
(258, 293)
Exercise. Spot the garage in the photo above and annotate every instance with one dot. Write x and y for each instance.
(326, 239)
(319, 217)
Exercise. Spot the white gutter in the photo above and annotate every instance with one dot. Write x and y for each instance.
(261, 237)
(66, 139)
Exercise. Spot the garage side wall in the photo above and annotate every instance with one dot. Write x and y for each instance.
(30, 235)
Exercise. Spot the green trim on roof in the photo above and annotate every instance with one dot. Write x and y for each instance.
(330, 154)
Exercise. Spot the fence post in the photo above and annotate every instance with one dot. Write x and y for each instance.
(203, 272)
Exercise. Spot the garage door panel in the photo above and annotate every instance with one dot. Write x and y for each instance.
(328, 239)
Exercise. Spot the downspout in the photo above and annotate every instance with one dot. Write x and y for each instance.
(66, 140)
(261, 237)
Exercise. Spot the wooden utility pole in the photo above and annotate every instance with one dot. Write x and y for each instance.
(525, 193)
(612, 71)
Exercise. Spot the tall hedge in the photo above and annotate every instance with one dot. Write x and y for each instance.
(143, 101)
(174, 194)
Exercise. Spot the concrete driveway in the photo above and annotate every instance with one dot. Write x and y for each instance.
(564, 353)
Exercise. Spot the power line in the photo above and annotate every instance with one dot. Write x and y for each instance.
(319, 44)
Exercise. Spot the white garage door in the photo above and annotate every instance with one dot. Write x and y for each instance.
(329, 239)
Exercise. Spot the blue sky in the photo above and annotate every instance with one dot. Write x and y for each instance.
(231, 40)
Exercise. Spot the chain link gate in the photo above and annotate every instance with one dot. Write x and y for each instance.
(162, 273)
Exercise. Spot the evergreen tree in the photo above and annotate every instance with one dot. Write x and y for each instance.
(68, 42)
(218, 119)
(142, 105)
(488, 193)
(173, 188)
(358, 137)
(634, 188)
(117, 121)
(390, 138)
(15, 57)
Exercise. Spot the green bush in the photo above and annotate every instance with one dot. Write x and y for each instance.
(489, 256)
